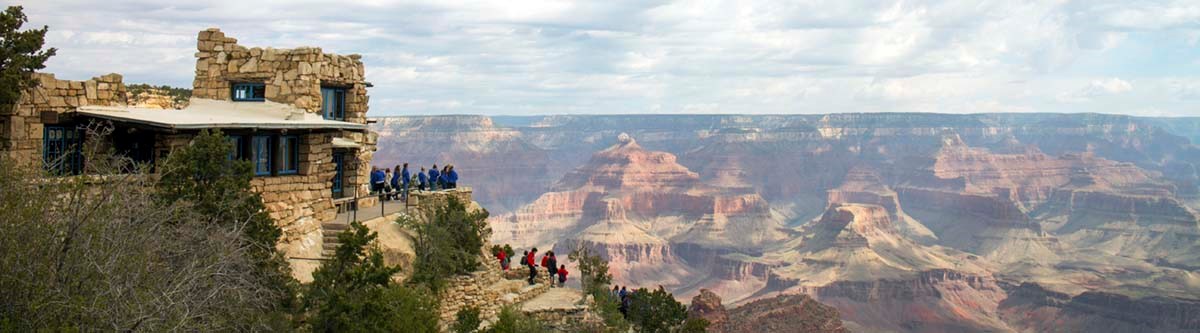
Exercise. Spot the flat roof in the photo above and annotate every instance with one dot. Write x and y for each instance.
(207, 113)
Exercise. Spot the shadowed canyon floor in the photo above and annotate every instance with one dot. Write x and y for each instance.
(902, 222)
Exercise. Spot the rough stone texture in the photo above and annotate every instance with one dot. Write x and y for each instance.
(785, 313)
(292, 76)
(707, 305)
(22, 128)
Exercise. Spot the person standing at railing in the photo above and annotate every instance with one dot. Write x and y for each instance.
(404, 182)
(395, 180)
(387, 187)
(376, 179)
(433, 178)
(442, 177)
(451, 177)
(422, 180)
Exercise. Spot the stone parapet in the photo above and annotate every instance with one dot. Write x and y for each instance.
(22, 124)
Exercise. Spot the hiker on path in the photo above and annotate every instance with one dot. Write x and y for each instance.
(434, 175)
(529, 261)
(502, 256)
(624, 307)
(395, 180)
(562, 276)
(552, 268)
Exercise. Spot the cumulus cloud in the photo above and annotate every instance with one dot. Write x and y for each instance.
(673, 56)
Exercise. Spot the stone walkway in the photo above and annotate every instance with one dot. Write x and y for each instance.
(553, 299)
(368, 213)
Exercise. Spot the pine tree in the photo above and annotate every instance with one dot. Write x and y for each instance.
(21, 54)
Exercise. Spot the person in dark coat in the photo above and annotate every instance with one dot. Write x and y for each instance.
(422, 180)
(433, 178)
(552, 268)
(377, 179)
(624, 307)
(395, 182)
(405, 178)
(451, 178)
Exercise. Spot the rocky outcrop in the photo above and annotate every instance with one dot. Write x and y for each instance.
(635, 207)
(1031, 307)
(784, 313)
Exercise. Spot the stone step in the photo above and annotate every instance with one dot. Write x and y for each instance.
(335, 226)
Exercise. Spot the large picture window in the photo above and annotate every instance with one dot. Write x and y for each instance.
(249, 92)
(261, 145)
(333, 103)
(289, 154)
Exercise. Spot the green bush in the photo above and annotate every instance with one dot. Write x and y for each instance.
(595, 279)
(354, 292)
(658, 312)
(466, 320)
(512, 320)
(448, 244)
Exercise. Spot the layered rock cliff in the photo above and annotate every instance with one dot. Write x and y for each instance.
(904, 222)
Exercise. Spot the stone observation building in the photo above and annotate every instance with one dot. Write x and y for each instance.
(299, 115)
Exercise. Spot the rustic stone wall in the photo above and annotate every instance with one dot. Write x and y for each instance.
(22, 126)
(292, 76)
(299, 203)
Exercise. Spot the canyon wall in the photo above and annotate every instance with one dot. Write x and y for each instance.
(903, 222)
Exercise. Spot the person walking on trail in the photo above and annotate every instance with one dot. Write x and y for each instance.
(624, 307)
(562, 275)
(433, 178)
(502, 256)
(451, 178)
(529, 261)
(552, 268)
(615, 294)
(404, 182)
(422, 181)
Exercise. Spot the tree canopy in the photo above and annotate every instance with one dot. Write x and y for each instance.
(21, 54)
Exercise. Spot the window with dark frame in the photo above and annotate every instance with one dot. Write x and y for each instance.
(289, 155)
(238, 150)
(249, 92)
(333, 103)
(62, 152)
(261, 145)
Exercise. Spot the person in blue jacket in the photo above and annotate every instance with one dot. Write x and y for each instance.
(376, 179)
(451, 178)
(422, 181)
(433, 178)
(395, 182)
(404, 180)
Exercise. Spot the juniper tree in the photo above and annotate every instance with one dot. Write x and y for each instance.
(21, 54)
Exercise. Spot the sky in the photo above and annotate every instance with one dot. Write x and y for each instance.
(670, 57)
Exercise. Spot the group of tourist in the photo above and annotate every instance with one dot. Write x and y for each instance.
(529, 259)
(624, 296)
(393, 185)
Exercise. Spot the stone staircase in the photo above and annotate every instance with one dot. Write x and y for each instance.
(329, 237)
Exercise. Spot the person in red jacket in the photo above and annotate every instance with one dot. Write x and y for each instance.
(529, 261)
(501, 256)
(562, 275)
